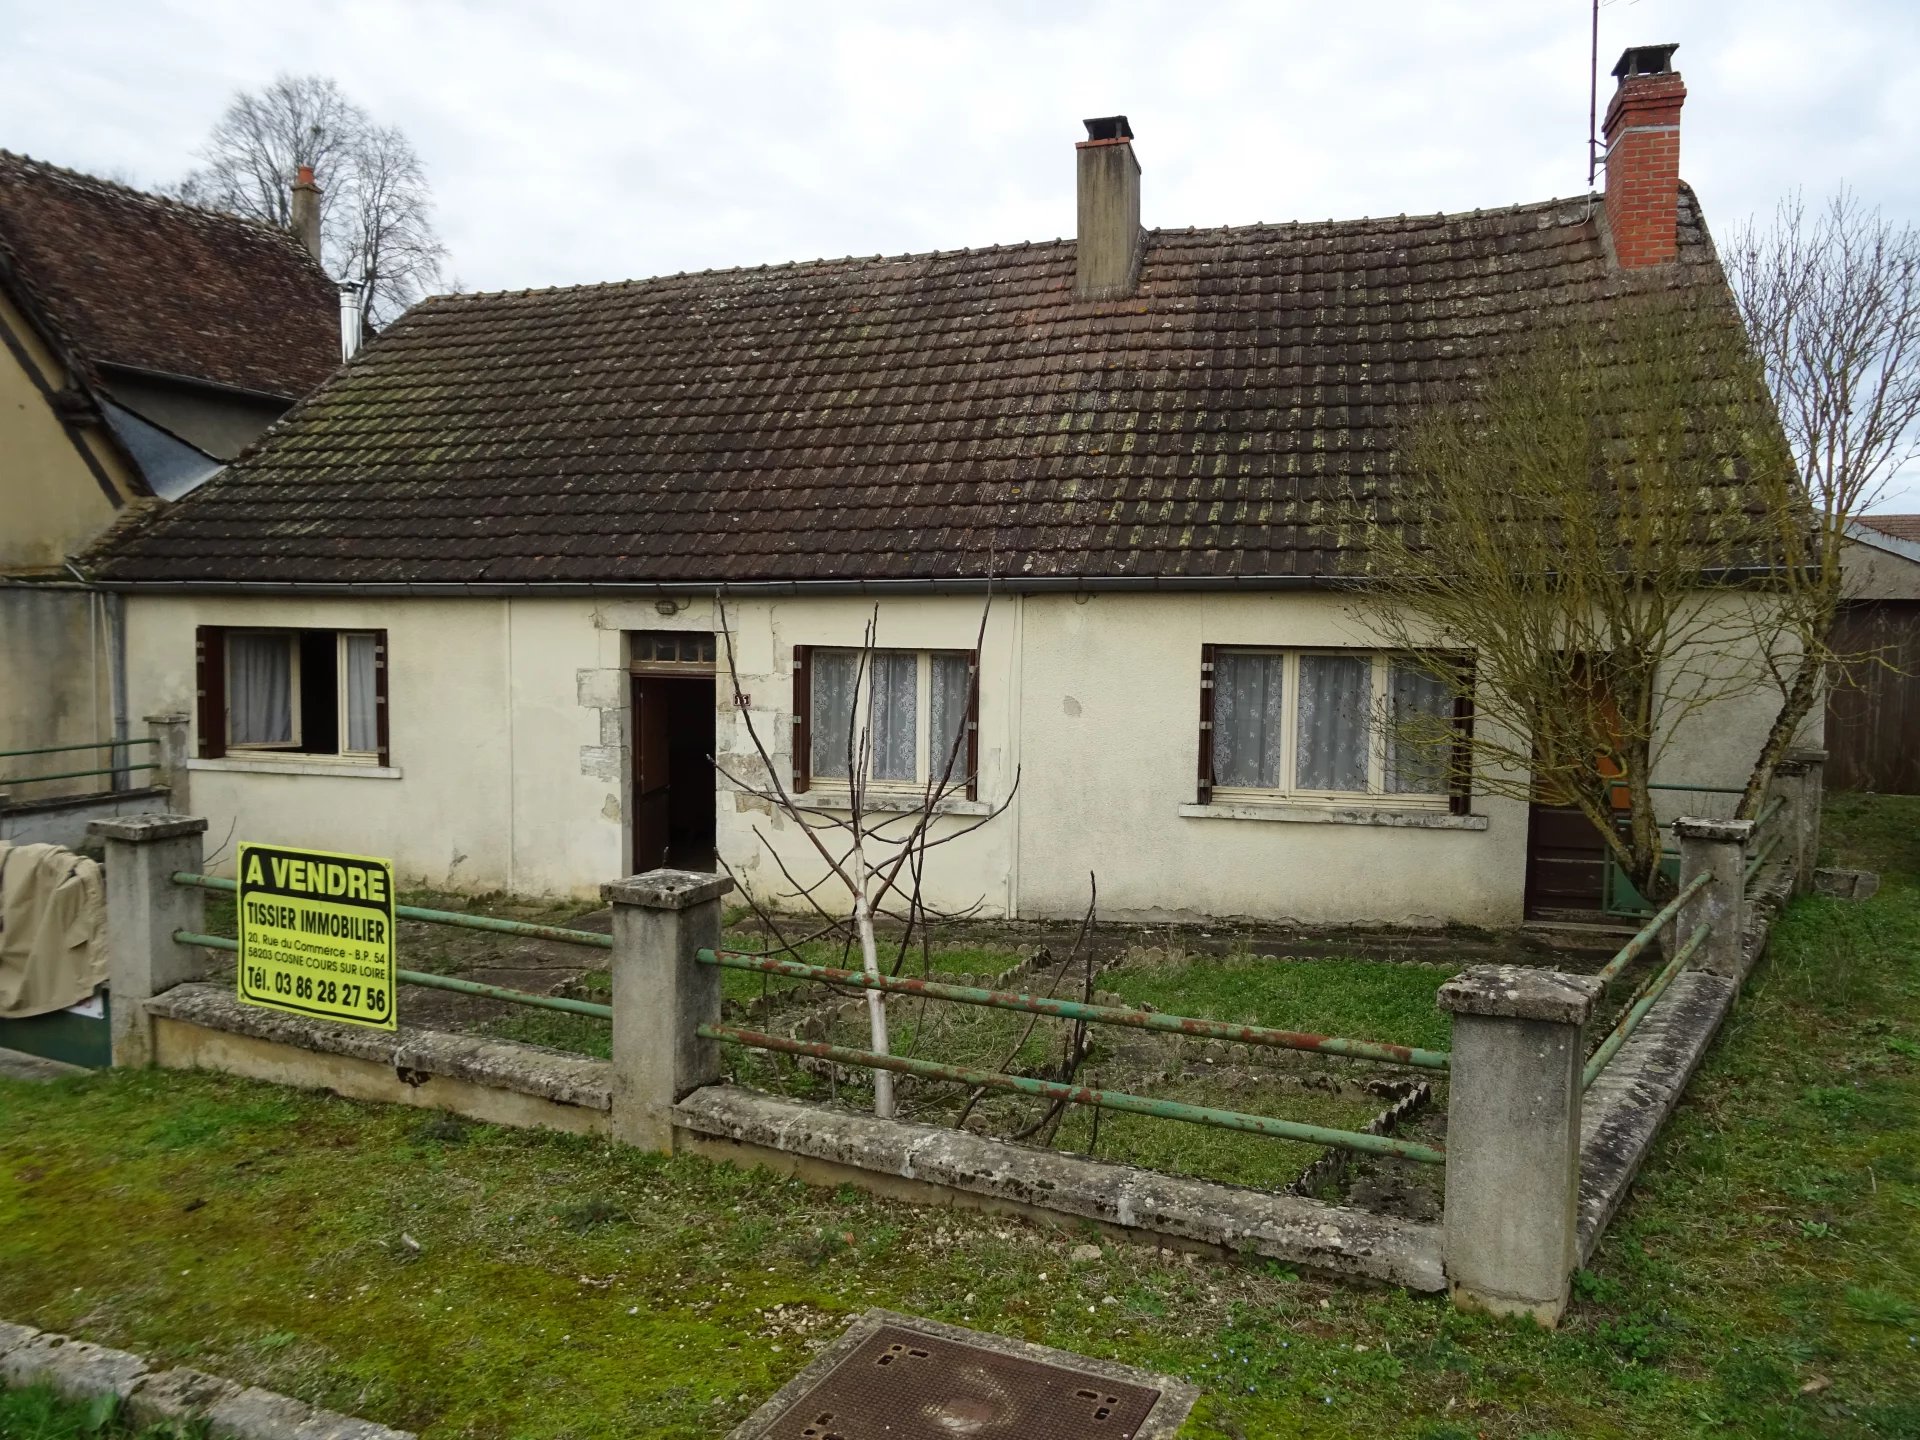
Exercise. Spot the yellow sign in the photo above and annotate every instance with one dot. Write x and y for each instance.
(316, 934)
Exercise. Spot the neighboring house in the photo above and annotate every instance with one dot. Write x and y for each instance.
(146, 344)
(468, 607)
(1873, 712)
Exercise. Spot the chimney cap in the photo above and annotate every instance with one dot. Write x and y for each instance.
(1109, 127)
(1645, 60)
(304, 175)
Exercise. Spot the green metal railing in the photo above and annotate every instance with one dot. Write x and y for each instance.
(121, 769)
(1643, 1001)
(1076, 1010)
(1646, 934)
(1760, 858)
(1082, 1095)
(426, 979)
(444, 917)
(1091, 1014)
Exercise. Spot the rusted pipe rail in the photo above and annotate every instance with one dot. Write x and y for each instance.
(1092, 1014)
(1643, 1000)
(1082, 1095)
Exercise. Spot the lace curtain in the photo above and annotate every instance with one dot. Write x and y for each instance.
(834, 675)
(946, 742)
(894, 699)
(1419, 732)
(363, 725)
(259, 689)
(1330, 746)
(1247, 719)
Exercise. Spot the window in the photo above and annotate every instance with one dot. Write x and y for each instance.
(1328, 727)
(918, 710)
(304, 692)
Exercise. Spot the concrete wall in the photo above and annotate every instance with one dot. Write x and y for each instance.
(1882, 568)
(510, 764)
(55, 684)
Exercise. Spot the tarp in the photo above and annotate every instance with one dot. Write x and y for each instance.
(53, 929)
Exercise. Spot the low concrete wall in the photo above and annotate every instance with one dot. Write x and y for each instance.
(922, 1162)
(64, 820)
(1632, 1098)
(203, 1027)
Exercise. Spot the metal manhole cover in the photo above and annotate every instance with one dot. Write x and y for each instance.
(896, 1378)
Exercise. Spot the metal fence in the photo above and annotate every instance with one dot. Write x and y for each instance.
(427, 979)
(1089, 1014)
(122, 762)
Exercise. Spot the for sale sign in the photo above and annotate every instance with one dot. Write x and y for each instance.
(316, 934)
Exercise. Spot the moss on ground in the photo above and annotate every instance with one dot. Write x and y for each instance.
(1763, 1279)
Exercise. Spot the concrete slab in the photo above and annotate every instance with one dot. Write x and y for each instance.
(18, 1065)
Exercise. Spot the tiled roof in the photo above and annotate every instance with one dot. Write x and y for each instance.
(136, 280)
(1900, 527)
(927, 417)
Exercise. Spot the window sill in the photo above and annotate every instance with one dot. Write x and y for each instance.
(1331, 815)
(306, 765)
(839, 803)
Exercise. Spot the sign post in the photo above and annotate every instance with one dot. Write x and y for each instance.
(316, 934)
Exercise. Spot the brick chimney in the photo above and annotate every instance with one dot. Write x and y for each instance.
(1107, 252)
(1643, 157)
(304, 212)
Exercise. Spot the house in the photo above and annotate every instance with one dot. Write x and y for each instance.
(147, 343)
(1873, 712)
(472, 605)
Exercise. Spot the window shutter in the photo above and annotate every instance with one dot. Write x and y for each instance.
(380, 696)
(802, 719)
(1205, 788)
(973, 727)
(210, 689)
(1460, 772)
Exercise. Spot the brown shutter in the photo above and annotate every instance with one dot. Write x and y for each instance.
(1460, 772)
(1205, 789)
(380, 696)
(210, 689)
(802, 719)
(973, 727)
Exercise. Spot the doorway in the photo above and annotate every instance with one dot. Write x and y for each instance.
(1567, 858)
(673, 738)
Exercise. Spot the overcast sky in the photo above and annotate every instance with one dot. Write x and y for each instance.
(571, 141)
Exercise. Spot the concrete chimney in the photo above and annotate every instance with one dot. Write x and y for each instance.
(304, 212)
(1107, 251)
(1643, 158)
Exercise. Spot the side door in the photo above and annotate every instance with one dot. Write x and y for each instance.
(652, 775)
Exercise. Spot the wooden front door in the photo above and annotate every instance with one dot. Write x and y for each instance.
(1566, 857)
(673, 778)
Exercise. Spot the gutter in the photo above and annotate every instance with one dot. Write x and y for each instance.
(956, 585)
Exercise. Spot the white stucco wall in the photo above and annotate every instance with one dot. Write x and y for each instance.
(509, 735)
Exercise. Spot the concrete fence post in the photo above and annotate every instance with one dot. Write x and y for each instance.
(1512, 1237)
(660, 994)
(144, 908)
(1719, 848)
(169, 734)
(1806, 822)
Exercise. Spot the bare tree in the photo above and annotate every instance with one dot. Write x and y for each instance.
(874, 864)
(1831, 302)
(1567, 550)
(376, 206)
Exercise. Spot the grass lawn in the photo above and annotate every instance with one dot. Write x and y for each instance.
(1763, 1280)
(39, 1414)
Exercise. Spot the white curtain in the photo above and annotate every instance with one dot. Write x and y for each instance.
(1419, 727)
(1330, 747)
(363, 725)
(834, 672)
(894, 694)
(947, 740)
(259, 688)
(1247, 719)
